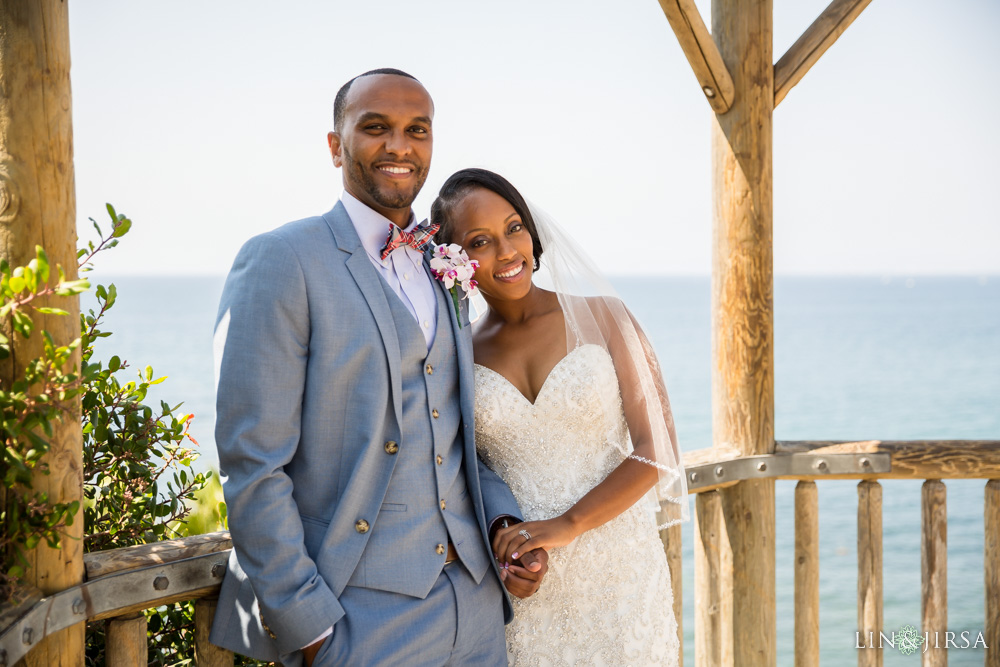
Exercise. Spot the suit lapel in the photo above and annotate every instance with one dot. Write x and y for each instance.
(367, 279)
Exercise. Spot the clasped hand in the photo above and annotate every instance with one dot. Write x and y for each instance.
(523, 562)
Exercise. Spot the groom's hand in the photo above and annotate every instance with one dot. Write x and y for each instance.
(523, 577)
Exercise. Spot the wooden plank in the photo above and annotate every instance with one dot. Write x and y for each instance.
(125, 641)
(701, 53)
(671, 539)
(38, 206)
(742, 316)
(813, 43)
(712, 575)
(103, 563)
(991, 571)
(869, 572)
(934, 568)
(916, 459)
(806, 568)
(207, 654)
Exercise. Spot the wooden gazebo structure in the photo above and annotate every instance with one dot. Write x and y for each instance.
(733, 481)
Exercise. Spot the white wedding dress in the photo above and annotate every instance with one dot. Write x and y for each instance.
(606, 599)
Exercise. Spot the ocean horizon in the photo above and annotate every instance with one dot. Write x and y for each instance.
(857, 357)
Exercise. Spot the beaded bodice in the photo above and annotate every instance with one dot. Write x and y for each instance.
(551, 453)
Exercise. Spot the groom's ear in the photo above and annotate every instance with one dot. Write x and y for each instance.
(333, 140)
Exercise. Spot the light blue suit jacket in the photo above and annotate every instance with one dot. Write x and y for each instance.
(309, 393)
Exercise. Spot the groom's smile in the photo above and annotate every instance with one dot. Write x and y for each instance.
(384, 144)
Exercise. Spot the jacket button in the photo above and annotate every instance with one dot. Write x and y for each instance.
(442, 503)
(435, 413)
(430, 369)
(391, 447)
(361, 526)
(439, 549)
(439, 459)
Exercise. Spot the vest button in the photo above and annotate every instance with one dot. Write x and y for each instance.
(430, 369)
(439, 459)
(442, 503)
(439, 549)
(435, 413)
(361, 526)
(391, 447)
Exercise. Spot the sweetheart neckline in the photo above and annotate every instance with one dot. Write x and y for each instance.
(545, 382)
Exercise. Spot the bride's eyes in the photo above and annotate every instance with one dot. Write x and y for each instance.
(516, 227)
(478, 243)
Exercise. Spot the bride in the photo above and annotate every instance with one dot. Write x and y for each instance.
(572, 412)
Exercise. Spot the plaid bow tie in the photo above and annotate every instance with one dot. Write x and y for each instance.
(417, 239)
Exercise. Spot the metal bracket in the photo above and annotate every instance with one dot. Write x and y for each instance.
(799, 464)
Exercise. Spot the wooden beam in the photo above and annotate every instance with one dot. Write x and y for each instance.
(934, 569)
(813, 43)
(701, 52)
(38, 207)
(869, 573)
(806, 567)
(102, 563)
(991, 571)
(671, 539)
(713, 609)
(742, 316)
(125, 641)
(916, 459)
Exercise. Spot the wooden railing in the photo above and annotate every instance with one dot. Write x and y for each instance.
(710, 470)
(123, 582)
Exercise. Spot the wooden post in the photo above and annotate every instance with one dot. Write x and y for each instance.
(869, 572)
(125, 641)
(671, 538)
(934, 569)
(991, 571)
(806, 575)
(713, 611)
(37, 206)
(742, 322)
(207, 654)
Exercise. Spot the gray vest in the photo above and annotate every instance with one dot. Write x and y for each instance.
(427, 502)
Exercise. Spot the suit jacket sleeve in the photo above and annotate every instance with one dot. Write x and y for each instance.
(263, 330)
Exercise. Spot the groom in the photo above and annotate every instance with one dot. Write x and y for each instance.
(359, 511)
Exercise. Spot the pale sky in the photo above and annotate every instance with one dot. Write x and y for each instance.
(206, 123)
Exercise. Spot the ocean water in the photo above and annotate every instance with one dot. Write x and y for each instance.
(855, 358)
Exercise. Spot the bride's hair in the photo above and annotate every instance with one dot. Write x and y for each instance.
(464, 181)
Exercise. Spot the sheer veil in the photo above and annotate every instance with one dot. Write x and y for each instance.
(595, 315)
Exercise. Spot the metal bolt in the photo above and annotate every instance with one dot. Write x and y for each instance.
(28, 636)
(865, 463)
(218, 570)
(161, 583)
(78, 606)
(694, 477)
(761, 466)
(719, 471)
(709, 92)
(821, 465)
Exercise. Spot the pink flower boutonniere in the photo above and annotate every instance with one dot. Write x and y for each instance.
(452, 266)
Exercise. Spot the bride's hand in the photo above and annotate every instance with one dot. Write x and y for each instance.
(509, 543)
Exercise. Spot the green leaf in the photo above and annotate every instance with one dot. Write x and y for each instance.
(51, 311)
(17, 284)
(111, 212)
(114, 363)
(121, 229)
(43, 264)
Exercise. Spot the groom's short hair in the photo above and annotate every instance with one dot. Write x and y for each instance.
(340, 101)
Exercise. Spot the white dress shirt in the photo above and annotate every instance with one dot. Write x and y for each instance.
(403, 269)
